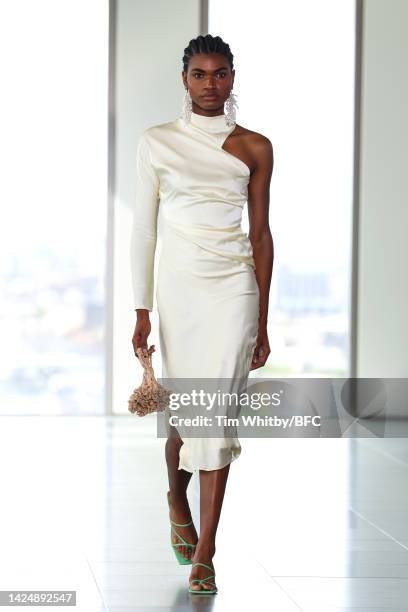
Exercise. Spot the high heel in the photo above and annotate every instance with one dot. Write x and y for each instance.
(180, 558)
(206, 580)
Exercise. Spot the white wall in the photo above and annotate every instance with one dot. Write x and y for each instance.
(382, 317)
(150, 42)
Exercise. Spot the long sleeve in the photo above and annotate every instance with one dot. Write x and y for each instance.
(144, 227)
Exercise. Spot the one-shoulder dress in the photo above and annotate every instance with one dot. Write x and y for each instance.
(207, 293)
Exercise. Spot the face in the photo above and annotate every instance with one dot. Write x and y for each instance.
(209, 80)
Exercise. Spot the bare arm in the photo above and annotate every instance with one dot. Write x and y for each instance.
(261, 238)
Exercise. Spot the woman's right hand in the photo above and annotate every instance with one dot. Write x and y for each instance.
(142, 330)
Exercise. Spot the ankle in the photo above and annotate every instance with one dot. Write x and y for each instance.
(204, 550)
(178, 500)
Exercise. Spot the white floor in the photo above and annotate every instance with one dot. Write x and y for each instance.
(313, 525)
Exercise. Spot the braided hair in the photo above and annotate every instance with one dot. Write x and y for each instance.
(207, 44)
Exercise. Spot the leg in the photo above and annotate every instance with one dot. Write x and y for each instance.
(212, 489)
(177, 495)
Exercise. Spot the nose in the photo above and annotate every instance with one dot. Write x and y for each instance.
(210, 82)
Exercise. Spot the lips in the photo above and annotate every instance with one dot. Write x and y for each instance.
(210, 97)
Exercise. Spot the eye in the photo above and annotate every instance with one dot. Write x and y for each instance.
(222, 74)
(197, 74)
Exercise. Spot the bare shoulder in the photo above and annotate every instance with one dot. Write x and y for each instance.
(259, 145)
(256, 137)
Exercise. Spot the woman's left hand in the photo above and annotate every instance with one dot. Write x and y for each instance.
(262, 350)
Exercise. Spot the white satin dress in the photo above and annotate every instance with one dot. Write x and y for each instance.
(207, 293)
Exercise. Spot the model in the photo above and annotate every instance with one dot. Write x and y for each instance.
(213, 280)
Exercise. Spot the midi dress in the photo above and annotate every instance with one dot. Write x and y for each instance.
(207, 293)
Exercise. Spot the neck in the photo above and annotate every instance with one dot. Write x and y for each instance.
(210, 123)
(209, 113)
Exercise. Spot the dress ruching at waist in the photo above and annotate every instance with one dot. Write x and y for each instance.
(230, 242)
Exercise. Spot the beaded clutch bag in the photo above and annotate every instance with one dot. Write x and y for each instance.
(150, 396)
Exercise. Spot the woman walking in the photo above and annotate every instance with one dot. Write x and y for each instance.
(213, 280)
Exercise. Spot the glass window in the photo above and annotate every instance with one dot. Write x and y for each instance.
(53, 213)
(294, 82)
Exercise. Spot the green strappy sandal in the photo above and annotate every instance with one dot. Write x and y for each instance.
(180, 558)
(200, 580)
